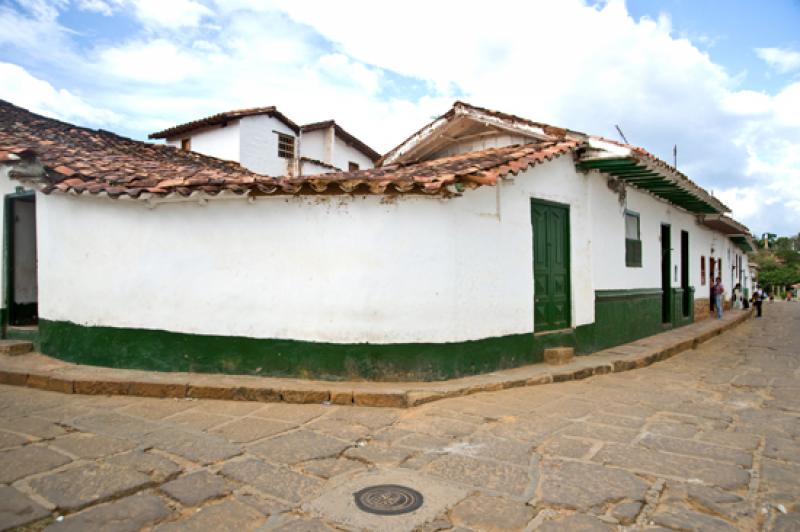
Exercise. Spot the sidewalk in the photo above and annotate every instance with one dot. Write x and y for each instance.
(39, 371)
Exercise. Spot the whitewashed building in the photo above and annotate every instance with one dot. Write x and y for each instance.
(472, 246)
(264, 140)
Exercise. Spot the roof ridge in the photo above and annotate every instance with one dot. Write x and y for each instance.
(223, 117)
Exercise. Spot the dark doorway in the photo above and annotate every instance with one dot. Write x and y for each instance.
(20, 265)
(666, 264)
(551, 276)
(685, 272)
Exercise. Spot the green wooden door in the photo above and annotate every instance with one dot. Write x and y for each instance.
(551, 282)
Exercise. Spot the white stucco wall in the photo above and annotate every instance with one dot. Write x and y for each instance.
(259, 144)
(316, 145)
(221, 142)
(343, 153)
(609, 242)
(344, 269)
(334, 269)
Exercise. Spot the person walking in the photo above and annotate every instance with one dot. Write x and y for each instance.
(718, 290)
(758, 300)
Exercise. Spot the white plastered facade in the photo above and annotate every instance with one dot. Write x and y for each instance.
(252, 141)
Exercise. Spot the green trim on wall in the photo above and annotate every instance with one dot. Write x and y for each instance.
(620, 316)
(678, 319)
(172, 351)
(627, 294)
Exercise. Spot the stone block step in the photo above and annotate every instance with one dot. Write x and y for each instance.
(15, 347)
(559, 355)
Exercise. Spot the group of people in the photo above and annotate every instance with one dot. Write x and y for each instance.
(738, 301)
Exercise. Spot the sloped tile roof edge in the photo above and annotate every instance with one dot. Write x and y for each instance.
(222, 118)
(348, 137)
(662, 166)
(539, 129)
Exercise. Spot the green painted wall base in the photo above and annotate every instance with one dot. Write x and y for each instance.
(621, 316)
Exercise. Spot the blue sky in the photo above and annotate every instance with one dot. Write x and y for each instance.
(721, 79)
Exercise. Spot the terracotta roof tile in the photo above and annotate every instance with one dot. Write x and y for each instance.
(82, 160)
(222, 118)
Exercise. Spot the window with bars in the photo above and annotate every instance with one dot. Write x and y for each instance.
(285, 146)
(186, 144)
(352, 167)
(633, 242)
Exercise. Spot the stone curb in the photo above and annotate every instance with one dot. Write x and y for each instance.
(39, 371)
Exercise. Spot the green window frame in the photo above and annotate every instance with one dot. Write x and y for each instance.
(633, 241)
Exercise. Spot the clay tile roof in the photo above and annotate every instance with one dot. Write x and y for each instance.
(481, 113)
(344, 135)
(222, 118)
(466, 170)
(81, 160)
(85, 160)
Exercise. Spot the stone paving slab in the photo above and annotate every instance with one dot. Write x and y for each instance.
(196, 488)
(80, 486)
(226, 516)
(25, 461)
(39, 371)
(17, 509)
(125, 515)
(669, 447)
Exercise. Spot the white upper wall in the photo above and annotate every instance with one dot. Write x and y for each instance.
(318, 144)
(337, 269)
(325, 146)
(216, 141)
(347, 269)
(344, 153)
(609, 238)
(259, 145)
(253, 142)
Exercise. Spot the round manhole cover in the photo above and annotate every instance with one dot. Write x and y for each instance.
(388, 499)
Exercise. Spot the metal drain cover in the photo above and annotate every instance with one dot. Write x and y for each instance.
(388, 499)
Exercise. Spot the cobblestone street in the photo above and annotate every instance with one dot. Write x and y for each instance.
(707, 440)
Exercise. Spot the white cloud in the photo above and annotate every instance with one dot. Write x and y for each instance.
(780, 59)
(25, 90)
(158, 61)
(747, 103)
(574, 65)
(96, 6)
(171, 14)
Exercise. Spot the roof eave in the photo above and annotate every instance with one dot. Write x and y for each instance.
(659, 179)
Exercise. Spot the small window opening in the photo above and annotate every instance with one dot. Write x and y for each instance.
(633, 242)
(352, 167)
(703, 270)
(186, 144)
(285, 146)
